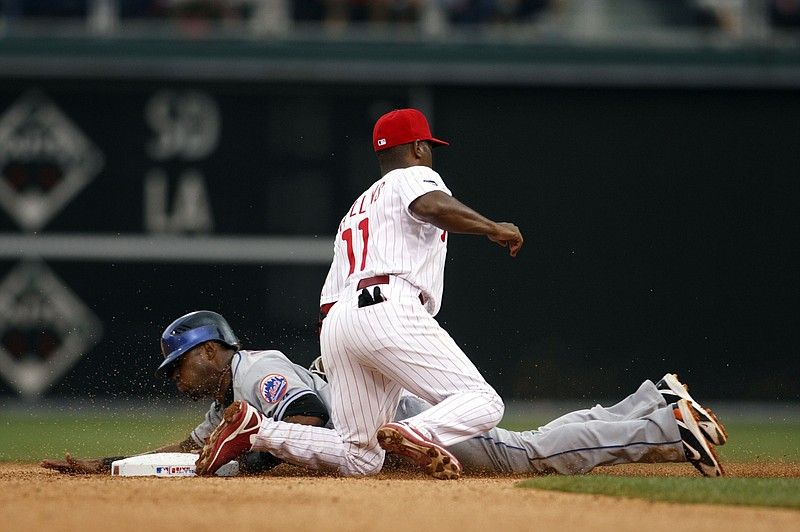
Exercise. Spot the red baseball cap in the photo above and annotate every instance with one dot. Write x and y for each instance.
(402, 126)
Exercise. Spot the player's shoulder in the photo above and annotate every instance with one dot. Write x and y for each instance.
(263, 353)
(250, 359)
(415, 177)
(423, 179)
(414, 172)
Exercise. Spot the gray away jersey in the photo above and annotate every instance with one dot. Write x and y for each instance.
(270, 382)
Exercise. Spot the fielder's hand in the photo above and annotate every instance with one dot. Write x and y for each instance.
(72, 466)
(507, 235)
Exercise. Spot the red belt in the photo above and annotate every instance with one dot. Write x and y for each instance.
(372, 281)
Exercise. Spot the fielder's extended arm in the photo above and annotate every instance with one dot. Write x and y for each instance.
(446, 212)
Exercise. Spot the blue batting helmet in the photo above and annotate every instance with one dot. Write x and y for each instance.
(192, 330)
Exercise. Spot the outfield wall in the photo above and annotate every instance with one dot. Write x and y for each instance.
(657, 193)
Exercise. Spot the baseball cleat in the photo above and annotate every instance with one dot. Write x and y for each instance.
(318, 369)
(699, 451)
(402, 439)
(230, 439)
(672, 389)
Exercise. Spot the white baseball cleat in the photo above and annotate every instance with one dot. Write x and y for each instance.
(672, 389)
(230, 439)
(699, 451)
(400, 438)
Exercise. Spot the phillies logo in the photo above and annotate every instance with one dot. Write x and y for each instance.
(273, 387)
(44, 328)
(45, 160)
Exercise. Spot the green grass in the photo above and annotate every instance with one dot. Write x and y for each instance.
(748, 443)
(761, 442)
(32, 436)
(773, 492)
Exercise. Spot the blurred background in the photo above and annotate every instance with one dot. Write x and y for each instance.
(164, 156)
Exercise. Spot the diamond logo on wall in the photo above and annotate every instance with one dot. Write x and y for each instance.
(45, 160)
(44, 328)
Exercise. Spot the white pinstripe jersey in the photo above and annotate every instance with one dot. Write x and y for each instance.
(379, 235)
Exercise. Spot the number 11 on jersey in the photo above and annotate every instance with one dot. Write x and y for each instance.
(347, 236)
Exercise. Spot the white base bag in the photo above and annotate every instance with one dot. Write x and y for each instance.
(165, 465)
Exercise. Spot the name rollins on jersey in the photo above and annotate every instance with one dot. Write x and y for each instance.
(360, 204)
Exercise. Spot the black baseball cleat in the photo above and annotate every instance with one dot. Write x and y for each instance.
(402, 439)
(673, 390)
(699, 451)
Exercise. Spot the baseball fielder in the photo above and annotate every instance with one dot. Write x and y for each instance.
(380, 336)
(202, 356)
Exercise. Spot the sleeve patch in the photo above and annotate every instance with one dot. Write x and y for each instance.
(273, 387)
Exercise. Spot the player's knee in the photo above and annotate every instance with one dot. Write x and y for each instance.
(501, 407)
(360, 470)
(492, 411)
(359, 465)
(496, 407)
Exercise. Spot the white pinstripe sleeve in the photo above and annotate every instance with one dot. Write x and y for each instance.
(419, 181)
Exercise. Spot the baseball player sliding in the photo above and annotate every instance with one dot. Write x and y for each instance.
(380, 337)
(202, 356)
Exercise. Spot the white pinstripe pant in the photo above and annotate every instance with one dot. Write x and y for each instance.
(371, 354)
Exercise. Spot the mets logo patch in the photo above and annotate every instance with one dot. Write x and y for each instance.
(273, 387)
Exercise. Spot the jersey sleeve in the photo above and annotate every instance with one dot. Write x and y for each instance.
(418, 181)
(275, 384)
(309, 405)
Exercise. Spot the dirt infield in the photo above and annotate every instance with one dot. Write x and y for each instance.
(32, 498)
